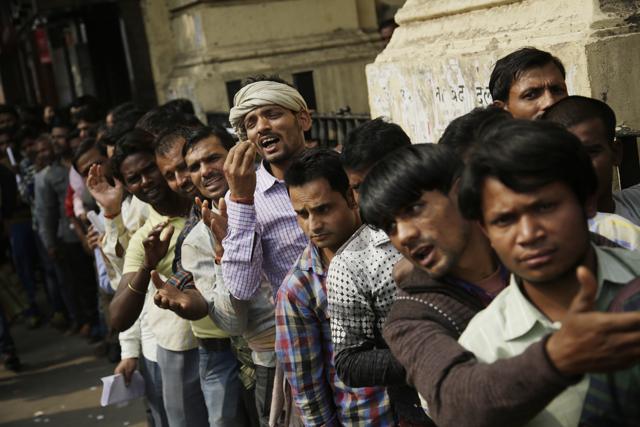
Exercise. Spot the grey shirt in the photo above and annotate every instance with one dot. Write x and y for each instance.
(254, 319)
(50, 191)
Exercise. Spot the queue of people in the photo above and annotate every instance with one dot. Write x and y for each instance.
(489, 279)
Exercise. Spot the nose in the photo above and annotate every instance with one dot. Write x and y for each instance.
(549, 98)
(315, 224)
(146, 181)
(263, 125)
(530, 231)
(406, 233)
(183, 180)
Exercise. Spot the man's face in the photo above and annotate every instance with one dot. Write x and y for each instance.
(355, 181)
(88, 159)
(205, 162)
(43, 153)
(431, 233)
(534, 91)
(143, 179)
(324, 215)
(174, 170)
(85, 127)
(59, 139)
(540, 236)
(278, 133)
(605, 154)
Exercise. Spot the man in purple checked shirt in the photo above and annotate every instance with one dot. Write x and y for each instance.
(263, 237)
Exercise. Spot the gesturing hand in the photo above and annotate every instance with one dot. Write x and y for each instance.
(109, 196)
(157, 244)
(217, 222)
(240, 171)
(167, 296)
(591, 341)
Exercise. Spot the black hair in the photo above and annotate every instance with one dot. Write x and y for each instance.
(525, 155)
(135, 141)
(25, 132)
(371, 141)
(58, 121)
(463, 131)
(160, 119)
(178, 126)
(117, 131)
(318, 163)
(198, 134)
(509, 69)
(399, 180)
(265, 78)
(8, 109)
(88, 108)
(574, 110)
(86, 145)
(127, 111)
(180, 105)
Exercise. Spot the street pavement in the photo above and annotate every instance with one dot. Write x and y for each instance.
(59, 384)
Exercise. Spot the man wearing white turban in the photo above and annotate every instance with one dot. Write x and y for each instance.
(263, 237)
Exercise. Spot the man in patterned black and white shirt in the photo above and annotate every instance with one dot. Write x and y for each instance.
(361, 289)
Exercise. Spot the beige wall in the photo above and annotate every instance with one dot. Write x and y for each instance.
(197, 46)
(438, 63)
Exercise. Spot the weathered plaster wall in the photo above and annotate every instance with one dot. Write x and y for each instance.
(207, 43)
(438, 63)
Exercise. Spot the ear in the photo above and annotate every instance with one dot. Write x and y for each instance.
(455, 189)
(304, 119)
(591, 206)
(616, 152)
(351, 199)
(500, 104)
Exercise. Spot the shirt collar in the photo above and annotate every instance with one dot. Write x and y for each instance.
(264, 179)
(610, 270)
(310, 260)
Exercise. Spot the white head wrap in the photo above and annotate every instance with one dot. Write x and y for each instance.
(263, 93)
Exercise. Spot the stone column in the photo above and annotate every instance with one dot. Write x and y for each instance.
(438, 63)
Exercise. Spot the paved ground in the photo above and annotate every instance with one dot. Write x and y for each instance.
(59, 384)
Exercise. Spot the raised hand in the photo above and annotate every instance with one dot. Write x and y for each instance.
(167, 296)
(157, 244)
(591, 341)
(217, 222)
(109, 196)
(240, 171)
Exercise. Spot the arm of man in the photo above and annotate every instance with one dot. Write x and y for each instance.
(453, 382)
(198, 258)
(242, 260)
(299, 351)
(143, 254)
(358, 362)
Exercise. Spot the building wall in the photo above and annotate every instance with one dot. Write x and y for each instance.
(438, 63)
(198, 46)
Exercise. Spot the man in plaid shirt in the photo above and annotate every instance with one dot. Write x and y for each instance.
(327, 213)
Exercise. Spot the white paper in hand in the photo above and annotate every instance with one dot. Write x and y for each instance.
(115, 391)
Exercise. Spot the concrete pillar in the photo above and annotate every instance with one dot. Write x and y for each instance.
(438, 63)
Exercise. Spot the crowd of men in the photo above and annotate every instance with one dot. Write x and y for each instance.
(490, 279)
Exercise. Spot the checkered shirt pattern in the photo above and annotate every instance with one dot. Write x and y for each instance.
(305, 351)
